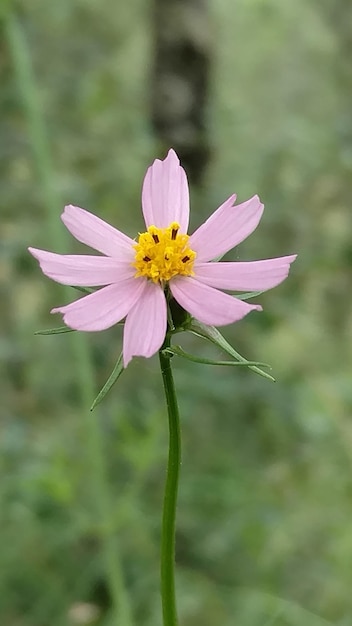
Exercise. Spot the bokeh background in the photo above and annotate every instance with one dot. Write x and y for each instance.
(265, 508)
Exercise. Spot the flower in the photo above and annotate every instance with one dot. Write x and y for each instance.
(136, 276)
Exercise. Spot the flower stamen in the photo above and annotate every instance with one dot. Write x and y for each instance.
(162, 253)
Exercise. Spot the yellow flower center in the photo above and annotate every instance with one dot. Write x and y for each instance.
(162, 253)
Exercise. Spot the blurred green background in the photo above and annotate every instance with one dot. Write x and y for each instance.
(264, 521)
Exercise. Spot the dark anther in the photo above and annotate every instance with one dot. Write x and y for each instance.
(174, 233)
(185, 259)
(146, 259)
(166, 257)
(156, 238)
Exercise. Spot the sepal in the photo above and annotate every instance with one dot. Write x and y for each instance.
(214, 336)
(246, 296)
(86, 290)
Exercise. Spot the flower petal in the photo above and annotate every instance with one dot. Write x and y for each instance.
(103, 308)
(84, 270)
(225, 228)
(208, 305)
(145, 326)
(96, 233)
(165, 195)
(245, 276)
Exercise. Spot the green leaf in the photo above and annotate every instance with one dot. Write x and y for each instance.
(115, 374)
(214, 336)
(195, 359)
(55, 331)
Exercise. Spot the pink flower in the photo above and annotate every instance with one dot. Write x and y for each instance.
(134, 274)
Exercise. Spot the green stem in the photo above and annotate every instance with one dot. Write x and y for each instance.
(168, 596)
(28, 92)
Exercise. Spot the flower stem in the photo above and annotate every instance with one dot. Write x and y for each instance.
(167, 571)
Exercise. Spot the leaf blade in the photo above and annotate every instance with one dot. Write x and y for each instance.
(115, 374)
(55, 331)
(178, 351)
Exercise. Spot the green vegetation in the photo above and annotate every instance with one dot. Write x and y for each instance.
(264, 520)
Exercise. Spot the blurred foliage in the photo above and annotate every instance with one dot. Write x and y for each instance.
(264, 521)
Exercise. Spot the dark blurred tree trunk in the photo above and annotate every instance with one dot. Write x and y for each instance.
(180, 80)
(340, 18)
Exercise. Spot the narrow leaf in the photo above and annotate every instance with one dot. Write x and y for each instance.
(115, 374)
(195, 359)
(55, 331)
(214, 336)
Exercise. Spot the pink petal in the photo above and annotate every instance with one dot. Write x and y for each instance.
(103, 308)
(96, 233)
(249, 276)
(225, 228)
(145, 326)
(208, 305)
(82, 270)
(165, 196)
